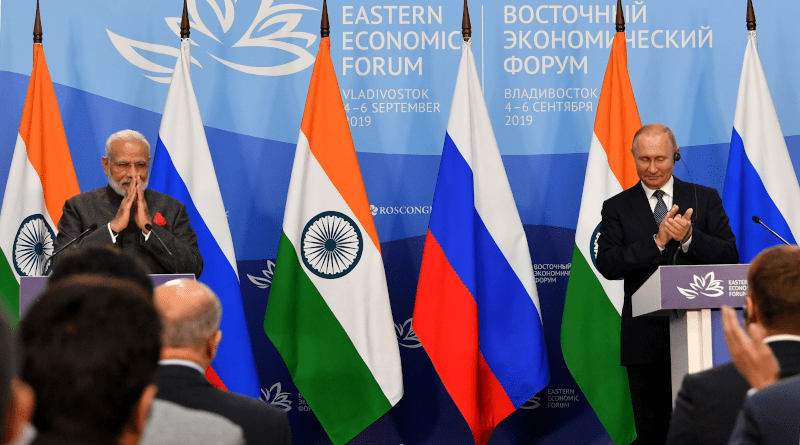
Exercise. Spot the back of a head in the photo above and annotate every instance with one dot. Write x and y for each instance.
(774, 286)
(90, 348)
(105, 260)
(8, 370)
(190, 312)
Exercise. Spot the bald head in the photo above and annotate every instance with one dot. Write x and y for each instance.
(190, 312)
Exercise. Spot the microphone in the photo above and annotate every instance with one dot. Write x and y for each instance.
(172, 257)
(757, 220)
(61, 249)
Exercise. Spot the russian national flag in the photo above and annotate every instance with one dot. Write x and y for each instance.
(182, 168)
(760, 179)
(477, 311)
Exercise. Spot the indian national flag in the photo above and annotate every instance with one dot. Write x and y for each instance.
(328, 312)
(41, 178)
(591, 326)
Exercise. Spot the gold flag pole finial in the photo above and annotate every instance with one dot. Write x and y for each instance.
(620, 17)
(324, 25)
(751, 16)
(37, 26)
(466, 26)
(185, 28)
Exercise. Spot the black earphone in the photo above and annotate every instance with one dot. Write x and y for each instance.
(677, 156)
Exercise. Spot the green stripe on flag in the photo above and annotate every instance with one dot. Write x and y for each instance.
(590, 332)
(324, 364)
(9, 292)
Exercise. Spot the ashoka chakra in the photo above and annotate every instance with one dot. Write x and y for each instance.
(331, 245)
(32, 245)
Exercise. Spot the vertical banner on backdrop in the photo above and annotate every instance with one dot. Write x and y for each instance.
(183, 169)
(590, 329)
(328, 312)
(477, 311)
(41, 178)
(760, 179)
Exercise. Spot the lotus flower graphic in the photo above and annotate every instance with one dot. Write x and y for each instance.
(406, 336)
(277, 398)
(268, 16)
(265, 281)
(707, 285)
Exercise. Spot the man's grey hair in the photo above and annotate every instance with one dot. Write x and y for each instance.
(126, 135)
(194, 328)
(655, 128)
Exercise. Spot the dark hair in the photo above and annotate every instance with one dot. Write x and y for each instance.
(8, 368)
(90, 347)
(102, 260)
(774, 286)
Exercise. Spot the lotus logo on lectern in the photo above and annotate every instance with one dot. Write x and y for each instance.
(707, 285)
(267, 17)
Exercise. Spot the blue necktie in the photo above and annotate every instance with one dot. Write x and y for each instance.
(661, 207)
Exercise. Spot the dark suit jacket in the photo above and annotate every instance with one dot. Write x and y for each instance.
(262, 423)
(709, 401)
(626, 249)
(771, 416)
(100, 206)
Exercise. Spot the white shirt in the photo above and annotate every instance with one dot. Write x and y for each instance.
(667, 198)
(114, 237)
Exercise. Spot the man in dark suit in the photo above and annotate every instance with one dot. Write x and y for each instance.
(640, 231)
(191, 313)
(770, 416)
(126, 212)
(709, 401)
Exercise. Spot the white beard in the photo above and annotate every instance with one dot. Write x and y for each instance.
(117, 186)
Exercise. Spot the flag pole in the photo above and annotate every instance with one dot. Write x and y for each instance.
(751, 16)
(37, 26)
(184, 22)
(466, 26)
(324, 26)
(620, 17)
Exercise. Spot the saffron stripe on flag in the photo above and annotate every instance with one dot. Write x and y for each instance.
(590, 329)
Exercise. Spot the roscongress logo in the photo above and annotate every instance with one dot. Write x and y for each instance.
(400, 210)
(707, 285)
(144, 54)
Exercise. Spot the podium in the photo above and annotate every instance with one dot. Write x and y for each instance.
(31, 287)
(687, 294)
